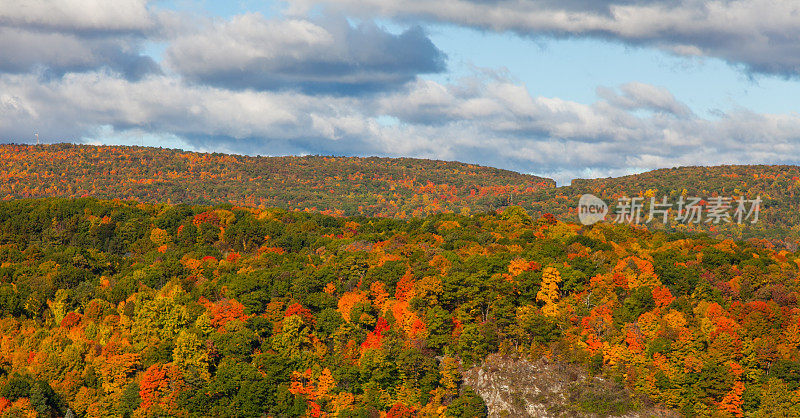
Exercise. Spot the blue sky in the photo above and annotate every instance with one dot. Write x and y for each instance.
(563, 89)
(573, 68)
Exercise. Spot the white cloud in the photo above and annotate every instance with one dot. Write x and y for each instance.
(54, 37)
(645, 96)
(327, 55)
(487, 121)
(292, 86)
(78, 15)
(762, 35)
(25, 51)
(77, 105)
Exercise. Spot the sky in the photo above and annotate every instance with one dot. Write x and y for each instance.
(559, 88)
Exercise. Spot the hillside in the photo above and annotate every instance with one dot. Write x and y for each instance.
(384, 187)
(128, 309)
(396, 187)
(778, 186)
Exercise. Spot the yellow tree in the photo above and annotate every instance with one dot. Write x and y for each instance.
(189, 354)
(325, 382)
(451, 375)
(548, 293)
(159, 236)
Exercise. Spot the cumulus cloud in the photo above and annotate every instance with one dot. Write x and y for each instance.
(499, 123)
(273, 86)
(645, 96)
(52, 53)
(54, 37)
(77, 15)
(78, 102)
(761, 35)
(322, 56)
(487, 121)
(327, 55)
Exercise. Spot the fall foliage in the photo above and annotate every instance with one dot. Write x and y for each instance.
(121, 308)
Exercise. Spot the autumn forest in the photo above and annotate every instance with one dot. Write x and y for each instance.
(143, 282)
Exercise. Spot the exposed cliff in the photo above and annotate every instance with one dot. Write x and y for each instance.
(545, 388)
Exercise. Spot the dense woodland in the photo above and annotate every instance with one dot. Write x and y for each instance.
(117, 308)
(778, 186)
(382, 187)
(340, 186)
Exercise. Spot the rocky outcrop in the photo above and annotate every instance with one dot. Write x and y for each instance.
(544, 388)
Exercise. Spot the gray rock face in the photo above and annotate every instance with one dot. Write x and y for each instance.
(544, 388)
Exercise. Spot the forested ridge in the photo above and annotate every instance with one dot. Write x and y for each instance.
(778, 186)
(385, 187)
(341, 186)
(118, 308)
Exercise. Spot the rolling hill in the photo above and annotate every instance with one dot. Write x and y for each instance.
(383, 187)
(778, 186)
(436, 289)
(111, 308)
(342, 186)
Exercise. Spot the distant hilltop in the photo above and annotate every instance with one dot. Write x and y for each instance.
(778, 187)
(342, 186)
(382, 187)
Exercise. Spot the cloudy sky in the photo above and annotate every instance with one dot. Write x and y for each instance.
(560, 88)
